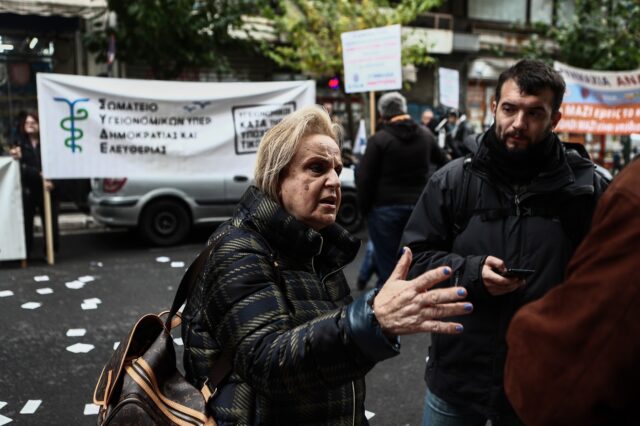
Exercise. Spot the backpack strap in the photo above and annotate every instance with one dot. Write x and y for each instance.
(187, 283)
(464, 199)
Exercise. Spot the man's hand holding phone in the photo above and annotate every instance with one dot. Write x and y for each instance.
(496, 283)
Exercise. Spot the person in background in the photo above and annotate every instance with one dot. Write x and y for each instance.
(521, 202)
(273, 293)
(368, 267)
(428, 120)
(391, 176)
(572, 355)
(26, 149)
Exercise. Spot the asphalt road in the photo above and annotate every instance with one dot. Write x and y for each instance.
(101, 283)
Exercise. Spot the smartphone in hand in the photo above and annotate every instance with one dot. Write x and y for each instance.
(517, 272)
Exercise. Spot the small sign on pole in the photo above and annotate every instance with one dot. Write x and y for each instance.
(372, 60)
(449, 87)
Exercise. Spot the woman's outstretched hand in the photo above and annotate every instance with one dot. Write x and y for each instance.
(408, 307)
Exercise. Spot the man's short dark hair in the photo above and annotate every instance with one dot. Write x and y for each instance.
(532, 77)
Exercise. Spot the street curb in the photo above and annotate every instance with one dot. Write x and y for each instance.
(71, 222)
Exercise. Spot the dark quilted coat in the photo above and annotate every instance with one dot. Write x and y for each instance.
(273, 291)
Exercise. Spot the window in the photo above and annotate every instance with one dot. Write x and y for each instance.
(498, 10)
(542, 11)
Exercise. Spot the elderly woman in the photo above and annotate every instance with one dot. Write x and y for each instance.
(274, 301)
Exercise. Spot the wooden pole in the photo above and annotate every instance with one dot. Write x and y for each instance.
(372, 111)
(48, 232)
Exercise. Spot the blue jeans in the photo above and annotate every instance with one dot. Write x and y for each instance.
(368, 266)
(438, 412)
(386, 225)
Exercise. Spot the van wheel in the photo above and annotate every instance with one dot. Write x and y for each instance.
(348, 214)
(165, 222)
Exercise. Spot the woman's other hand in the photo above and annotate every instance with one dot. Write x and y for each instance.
(407, 307)
(16, 153)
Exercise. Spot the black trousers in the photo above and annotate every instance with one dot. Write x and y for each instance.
(32, 202)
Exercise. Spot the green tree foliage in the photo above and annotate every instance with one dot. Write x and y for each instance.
(171, 35)
(312, 29)
(601, 35)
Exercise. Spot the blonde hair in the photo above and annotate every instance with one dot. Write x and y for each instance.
(280, 143)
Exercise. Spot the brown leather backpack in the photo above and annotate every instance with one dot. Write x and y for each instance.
(141, 385)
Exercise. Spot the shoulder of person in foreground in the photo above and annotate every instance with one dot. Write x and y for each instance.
(573, 354)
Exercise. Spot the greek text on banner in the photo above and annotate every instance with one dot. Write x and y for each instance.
(107, 127)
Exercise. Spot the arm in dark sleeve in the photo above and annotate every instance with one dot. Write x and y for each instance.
(271, 354)
(438, 156)
(429, 234)
(367, 174)
(573, 354)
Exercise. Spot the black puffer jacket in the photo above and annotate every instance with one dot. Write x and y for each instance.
(467, 369)
(274, 292)
(395, 166)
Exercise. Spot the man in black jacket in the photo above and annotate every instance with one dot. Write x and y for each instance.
(522, 201)
(391, 176)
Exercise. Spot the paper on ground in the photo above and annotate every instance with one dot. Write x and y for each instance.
(2, 404)
(178, 264)
(178, 341)
(86, 279)
(80, 348)
(74, 285)
(31, 406)
(4, 420)
(6, 293)
(31, 305)
(76, 332)
(91, 409)
(40, 278)
(115, 345)
(93, 301)
(45, 290)
(368, 414)
(87, 306)
(162, 259)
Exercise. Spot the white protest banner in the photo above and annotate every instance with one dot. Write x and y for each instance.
(600, 102)
(372, 59)
(449, 87)
(12, 242)
(108, 127)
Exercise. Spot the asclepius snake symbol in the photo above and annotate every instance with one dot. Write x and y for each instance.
(80, 114)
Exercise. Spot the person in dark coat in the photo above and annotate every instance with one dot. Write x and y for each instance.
(520, 202)
(27, 150)
(573, 355)
(391, 175)
(274, 297)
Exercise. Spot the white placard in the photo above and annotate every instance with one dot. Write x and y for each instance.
(113, 127)
(372, 59)
(449, 87)
(12, 242)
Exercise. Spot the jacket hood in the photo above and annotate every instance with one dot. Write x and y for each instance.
(403, 129)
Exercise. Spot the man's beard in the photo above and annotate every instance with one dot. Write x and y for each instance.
(530, 147)
(522, 164)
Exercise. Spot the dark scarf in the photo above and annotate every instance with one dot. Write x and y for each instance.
(522, 166)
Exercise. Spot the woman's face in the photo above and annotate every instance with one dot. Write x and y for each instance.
(31, 126)
(310, 185)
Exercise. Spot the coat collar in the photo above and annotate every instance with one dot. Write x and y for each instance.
(289, 236)
(573, 174)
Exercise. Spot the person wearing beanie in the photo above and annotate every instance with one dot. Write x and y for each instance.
(391, 176)
(507, 221)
